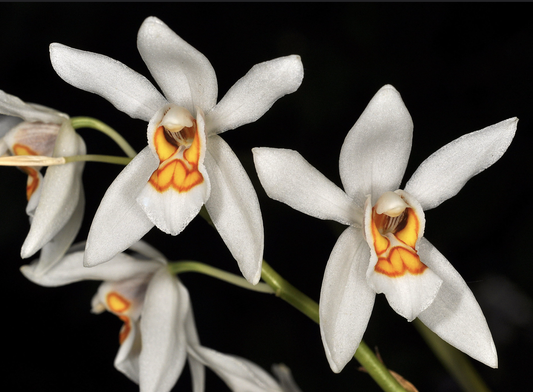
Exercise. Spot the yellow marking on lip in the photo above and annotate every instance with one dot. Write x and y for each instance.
(409, 234)
(178, 173)
(400, 261)
(381, 243)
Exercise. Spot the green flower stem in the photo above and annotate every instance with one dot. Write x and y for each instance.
(455, 362)
(307, 306)
(179, 267)
(98, 158)
(89, 122)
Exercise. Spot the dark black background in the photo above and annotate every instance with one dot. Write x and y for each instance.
(459, 68)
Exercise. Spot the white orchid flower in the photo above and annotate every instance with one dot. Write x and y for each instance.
(383, 249)
(186, 164)
(159, 333)
(55, 202)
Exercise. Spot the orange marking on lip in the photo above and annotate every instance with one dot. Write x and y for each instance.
(178, 173)
(125, 330)
(400, 261)
(33, 175)
(396, 261)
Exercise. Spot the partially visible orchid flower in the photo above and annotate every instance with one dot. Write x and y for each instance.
(159, 333)
(56, 201)
(186, 164)
(383, 249)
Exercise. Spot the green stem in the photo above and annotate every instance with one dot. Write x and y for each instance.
(98, 158)
(307, 306)
(455, 362)
(89, 122)
(179, 267)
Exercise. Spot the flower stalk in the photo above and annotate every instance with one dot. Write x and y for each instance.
(89, 122)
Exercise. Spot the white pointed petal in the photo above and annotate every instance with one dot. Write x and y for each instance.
(375, 152)
(234, 208)
(238, 373)
(70, 269)
(13, 106)
(287, 177)
(346, 300)
(184, 74)
(447, 170)
(119, 221)
(455, 315)
(172, 210)
(255, 93)
(127, 90)
(60, 193)
(53, 251)
(127, 359)
(164, 345)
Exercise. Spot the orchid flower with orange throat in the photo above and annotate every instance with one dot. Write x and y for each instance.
(186, 163)
(383, 249)
(159, 334)
(55, 200)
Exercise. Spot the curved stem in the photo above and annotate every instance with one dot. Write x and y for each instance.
(307, 306)
(89, 122)
(179, 267)
(453, 360)
(98, 158)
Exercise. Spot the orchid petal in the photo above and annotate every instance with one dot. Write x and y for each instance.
(284, 375)
(238, 373)
(375, 152)
(13, 106)
(455, 315)
(70, 269)
(53, 251)
(185, 75)
(59, 195)
(170, 209)
(120, 221)
(127, 359)
(255, 93)
(164, 345)
(287, 177)
(234, 208)
(446, 171)
(346, 300)
(127, 90)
